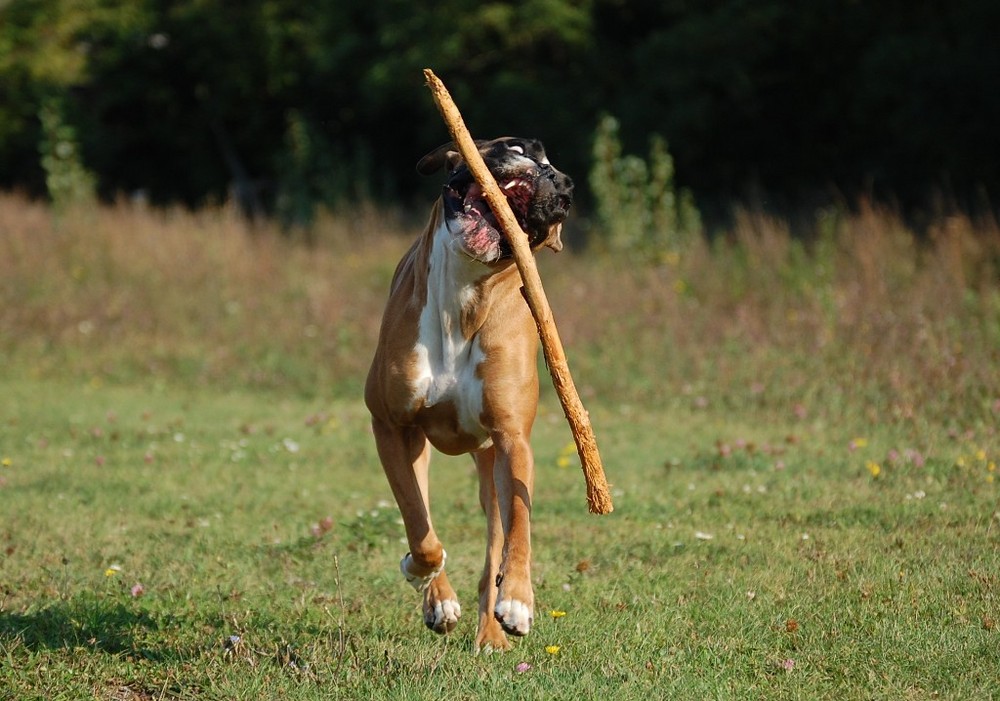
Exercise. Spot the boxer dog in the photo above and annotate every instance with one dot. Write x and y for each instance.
(456, 368)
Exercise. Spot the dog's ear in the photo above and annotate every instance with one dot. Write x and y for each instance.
(554, 241)
(445, 155)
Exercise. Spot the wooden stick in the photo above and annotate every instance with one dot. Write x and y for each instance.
(598, 492)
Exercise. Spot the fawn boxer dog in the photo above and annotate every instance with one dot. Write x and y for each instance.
(456, 368)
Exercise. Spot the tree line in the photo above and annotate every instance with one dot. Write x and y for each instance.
(287, 105)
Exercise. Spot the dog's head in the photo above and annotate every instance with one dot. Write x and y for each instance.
(539, 195)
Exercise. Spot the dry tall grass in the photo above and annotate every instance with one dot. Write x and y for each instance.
(125, 292)
(865, 319)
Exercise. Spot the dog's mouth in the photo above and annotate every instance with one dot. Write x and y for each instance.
(475, 226)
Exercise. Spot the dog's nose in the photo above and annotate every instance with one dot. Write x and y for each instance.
(562, 181)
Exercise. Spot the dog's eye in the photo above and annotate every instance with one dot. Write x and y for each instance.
(517, 148)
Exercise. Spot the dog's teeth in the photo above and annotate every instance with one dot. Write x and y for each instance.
(509, 185)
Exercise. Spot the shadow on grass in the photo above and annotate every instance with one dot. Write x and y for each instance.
(90, 623)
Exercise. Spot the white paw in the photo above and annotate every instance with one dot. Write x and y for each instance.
(515, 616)
(443, 617)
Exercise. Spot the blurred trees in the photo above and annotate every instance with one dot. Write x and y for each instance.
(284, 104)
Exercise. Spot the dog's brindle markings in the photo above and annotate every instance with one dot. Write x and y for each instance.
(456, 368)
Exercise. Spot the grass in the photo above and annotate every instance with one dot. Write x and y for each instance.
(802, 439)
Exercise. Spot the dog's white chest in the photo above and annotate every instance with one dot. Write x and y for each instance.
(446, 363)
(446, 372)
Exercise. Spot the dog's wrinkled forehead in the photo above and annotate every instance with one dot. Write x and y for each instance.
(447, 156)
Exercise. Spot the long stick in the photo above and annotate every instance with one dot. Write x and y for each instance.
(598, 492)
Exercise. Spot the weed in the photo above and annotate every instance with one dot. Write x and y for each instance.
(640, 210)
(70, 185)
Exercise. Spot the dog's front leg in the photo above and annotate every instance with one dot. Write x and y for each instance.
(405, 456)
(513, 481)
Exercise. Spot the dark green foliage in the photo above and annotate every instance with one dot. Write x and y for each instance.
(286, 105)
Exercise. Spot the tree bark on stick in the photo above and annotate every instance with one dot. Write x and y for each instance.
(598, 491)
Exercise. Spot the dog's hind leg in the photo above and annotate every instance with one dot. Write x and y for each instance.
(490, 635)
(405, 456)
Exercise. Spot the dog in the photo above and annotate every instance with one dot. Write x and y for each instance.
(456, 368)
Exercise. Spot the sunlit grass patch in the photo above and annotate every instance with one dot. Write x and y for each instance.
(257, 552)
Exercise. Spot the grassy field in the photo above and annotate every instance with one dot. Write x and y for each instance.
(802, 439)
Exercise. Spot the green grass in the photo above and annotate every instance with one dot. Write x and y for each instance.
(801, 436)
(266, 518)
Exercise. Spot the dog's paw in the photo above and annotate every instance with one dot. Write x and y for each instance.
(490, 637)
(442, 616)
(514, 616)
(441, 607)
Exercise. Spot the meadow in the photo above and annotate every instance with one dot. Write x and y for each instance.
(801, 433)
